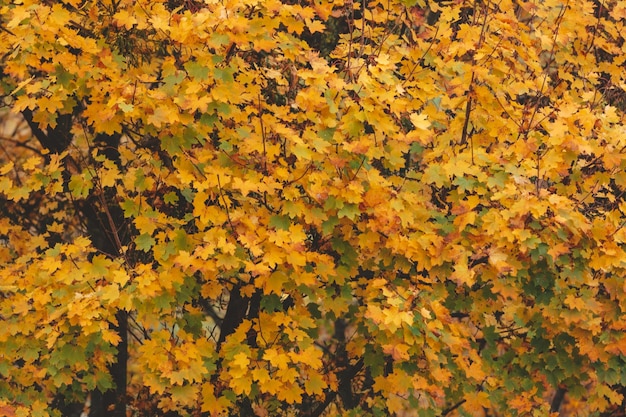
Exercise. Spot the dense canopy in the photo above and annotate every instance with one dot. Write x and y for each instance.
(306, 208)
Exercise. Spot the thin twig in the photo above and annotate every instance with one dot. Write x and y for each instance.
(559, 20)
(421, 60)
(452, 408)
(301, 176)
(468, 110)
(219, 185)
(595, 29)
(263, 137)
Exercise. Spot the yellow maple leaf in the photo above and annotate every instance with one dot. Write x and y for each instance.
(210, 403)
(6, 168)
(261, 375)
(111, 337)
(476, 372)
(241, 385)
(498, 260)
(291, 393)
(311, 356)
(110, 293)
(185, 259)
(273, 257)
(276, 358)
(125, 19)
(315, 25)
(246, 187)
(109, 176)
(145, 224)
(398, 351)
(273, 386)
(477, 401)
(288, 375)
(18, 15)
(315, 384)
(163, 115)
(242, 360)
(420, 121)
(274, 283)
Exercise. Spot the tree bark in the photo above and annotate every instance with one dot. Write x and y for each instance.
(235, 314)
(559, 395)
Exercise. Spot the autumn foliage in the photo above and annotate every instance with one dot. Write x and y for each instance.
(281, 208)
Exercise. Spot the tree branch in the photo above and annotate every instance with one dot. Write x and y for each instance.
(57, 139)
(559, 395)
(452, 408)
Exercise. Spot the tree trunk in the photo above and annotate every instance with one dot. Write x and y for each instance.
(102, 219)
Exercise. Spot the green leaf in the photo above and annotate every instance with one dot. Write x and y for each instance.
(170, 82)
(271, 303)
(144, 242)
(497, 179)
(417, 148)
(224, 74)
(170, 144)
(464, 183)
(350, 211)
(332, 203)
(280, 222)
(63, 76)
(434, 173)
(219, 39)
(131, 209)
(80, 185)
(170, 198)
(208, 119)
(327, 134)
(329, 225)
(181, 240)
(197, 70)
(104, 382)
(188, 193)
(140, 180)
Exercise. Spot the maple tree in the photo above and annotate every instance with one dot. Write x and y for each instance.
(246, 207)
